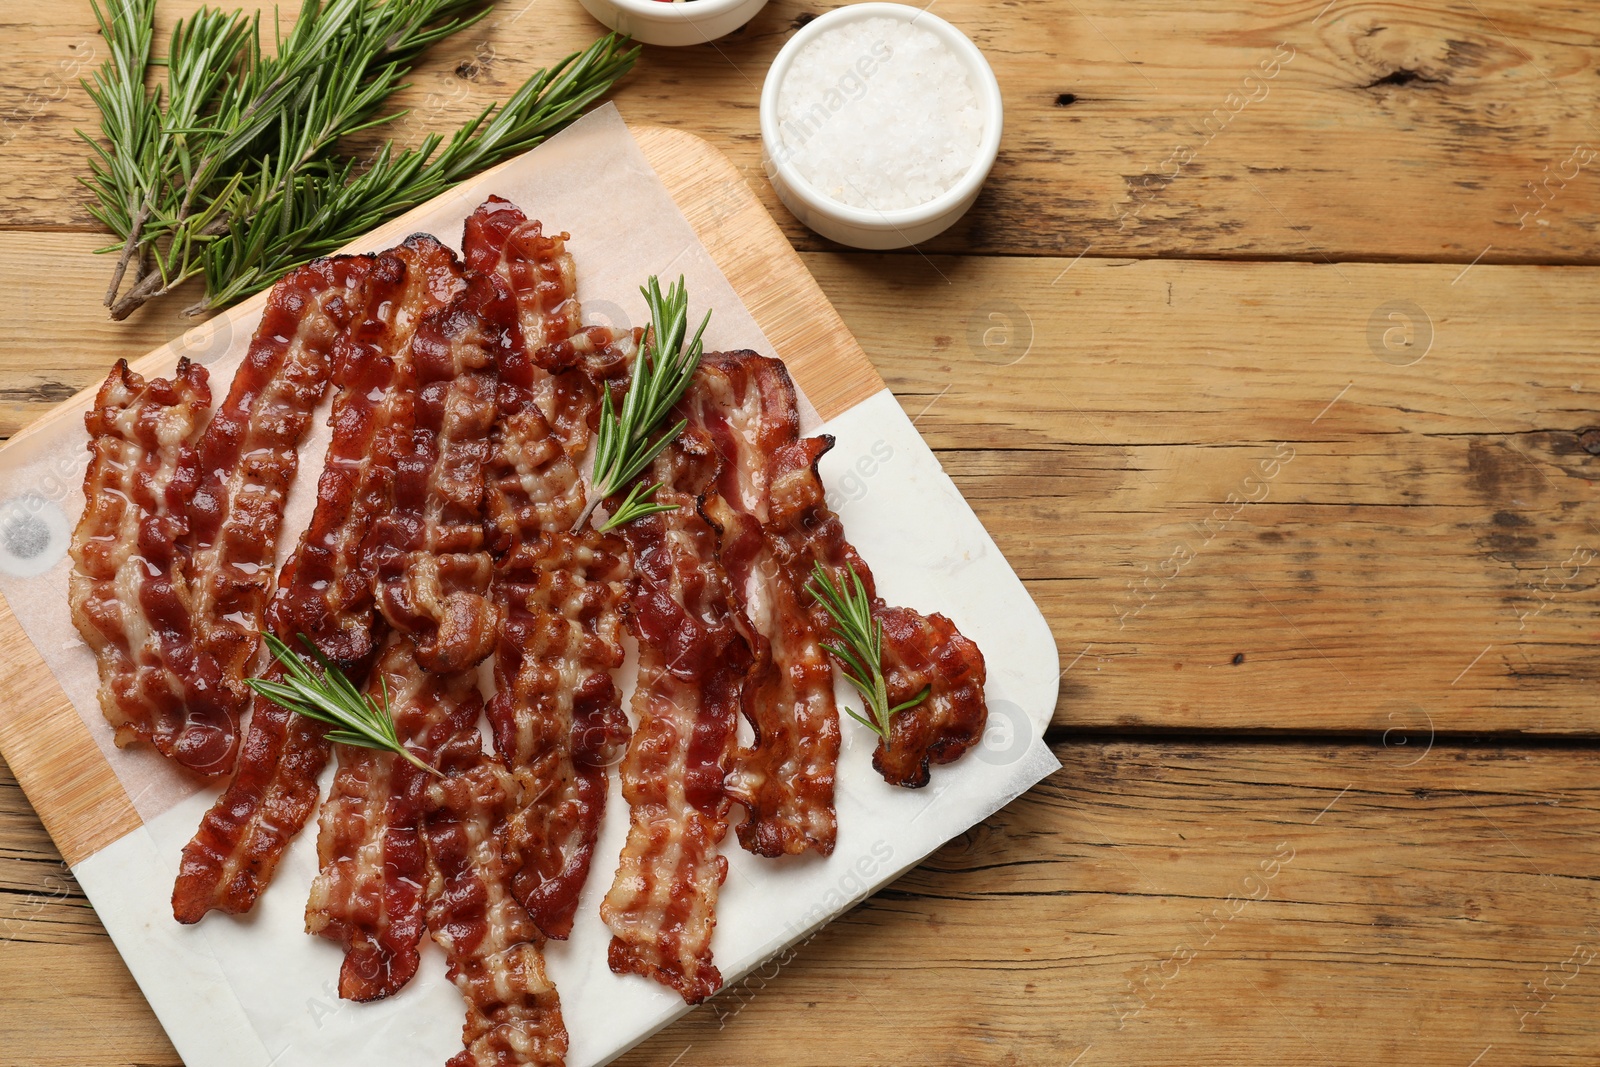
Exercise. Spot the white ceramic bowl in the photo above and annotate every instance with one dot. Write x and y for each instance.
(656, 22)
(866, 227)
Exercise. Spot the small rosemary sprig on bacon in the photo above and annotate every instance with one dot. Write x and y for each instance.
(328, 697)
(859, 648)
(623, 443)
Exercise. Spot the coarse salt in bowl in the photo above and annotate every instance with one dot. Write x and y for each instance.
(879, 124)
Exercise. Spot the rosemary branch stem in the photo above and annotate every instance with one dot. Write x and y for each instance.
(148, 288)
(588, 511)
(406, 754)
(130, 248)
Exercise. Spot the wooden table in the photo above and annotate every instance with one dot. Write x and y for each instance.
(1267, 358)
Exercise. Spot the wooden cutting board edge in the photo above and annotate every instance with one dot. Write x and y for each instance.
(55, 758)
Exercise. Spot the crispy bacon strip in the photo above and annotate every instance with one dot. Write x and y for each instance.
(927, 652)
(324, 590)
(557, 715)
(491, 942)
(919, 652)
(368, 896)
(763, 506)
(693, 662)
(432, 575)
(499, 240)
(428, 550)
(492, 947)
(250, 453)
(537, 274)
(128, 593)
(235, 852)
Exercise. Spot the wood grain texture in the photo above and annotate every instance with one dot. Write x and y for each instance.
(69, 998)
(59, 765)
(1153, 903)
(1178, 905)
(1097, 415)
(1227, 494)
(1392, 131)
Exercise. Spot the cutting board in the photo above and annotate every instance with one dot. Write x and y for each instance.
(57, 762)
(925, 544)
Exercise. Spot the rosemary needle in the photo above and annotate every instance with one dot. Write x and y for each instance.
(859, 648)
(623, 445)
(328, 697)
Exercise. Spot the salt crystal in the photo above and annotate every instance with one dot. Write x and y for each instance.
(880, 114)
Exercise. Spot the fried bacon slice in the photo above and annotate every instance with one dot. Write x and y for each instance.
(368, 895)
(926, 652)
(129, 593)
(235, 852)
(249, 455)
(432, 571)
(427, 550)
(693, 661)
(492, 947)
(753, 395)
(537, 274)
(557, 714)
(324, 590)
(763, 507)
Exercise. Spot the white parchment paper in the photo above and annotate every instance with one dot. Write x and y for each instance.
(259, 991)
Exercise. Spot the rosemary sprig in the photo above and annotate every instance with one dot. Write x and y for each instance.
(130, 116)
(623, 444)
(231, 169)
(334, 204)
(859, 648)
(328, 697)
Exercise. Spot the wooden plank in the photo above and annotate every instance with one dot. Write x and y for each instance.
(1198, 463)
(51, 991)
(55, 338)
(1216, 905)
(1271, 903)
(1430, 553)
(1384, 131)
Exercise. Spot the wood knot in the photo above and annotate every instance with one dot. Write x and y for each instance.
(1066, 100)
(1403, 76)
(1590, 440)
